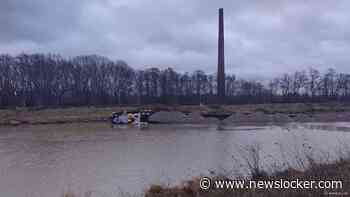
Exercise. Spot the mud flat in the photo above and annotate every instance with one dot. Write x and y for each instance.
(170, 117)
(244, 114)
(251, 118)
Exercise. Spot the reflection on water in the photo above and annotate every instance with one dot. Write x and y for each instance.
(46, 160)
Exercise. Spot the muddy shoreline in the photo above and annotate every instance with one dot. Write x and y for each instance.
(251, 118)
(236, 114)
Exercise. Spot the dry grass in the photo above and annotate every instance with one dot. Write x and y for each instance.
(338, 170)
(314, 170)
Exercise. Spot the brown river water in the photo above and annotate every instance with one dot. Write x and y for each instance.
(46, 160)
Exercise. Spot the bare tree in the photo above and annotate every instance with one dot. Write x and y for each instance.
(49, 80)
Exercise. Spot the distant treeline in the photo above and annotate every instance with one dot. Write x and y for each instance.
(50, 80)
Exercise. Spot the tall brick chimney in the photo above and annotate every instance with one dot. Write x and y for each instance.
(221, 60)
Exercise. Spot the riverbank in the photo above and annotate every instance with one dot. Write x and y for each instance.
(259, 113)
(338, 171)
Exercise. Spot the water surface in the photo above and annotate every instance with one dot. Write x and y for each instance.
(45, 160)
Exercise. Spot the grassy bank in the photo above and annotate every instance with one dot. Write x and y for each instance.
(54, 116)
(18, 116)
(337, 171)
(308, 168)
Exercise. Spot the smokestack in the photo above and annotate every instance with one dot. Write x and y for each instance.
(221, 60)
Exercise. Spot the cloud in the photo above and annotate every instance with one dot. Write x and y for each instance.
(262, 38)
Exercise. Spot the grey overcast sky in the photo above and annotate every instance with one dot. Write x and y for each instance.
(262, 37)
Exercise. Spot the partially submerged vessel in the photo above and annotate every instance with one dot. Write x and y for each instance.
(137, 118)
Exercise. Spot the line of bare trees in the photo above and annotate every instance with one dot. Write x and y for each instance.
(50, 80)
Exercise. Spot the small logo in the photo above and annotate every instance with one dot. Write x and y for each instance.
(205, 183)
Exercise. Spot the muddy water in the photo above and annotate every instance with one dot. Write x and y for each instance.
(47, 160)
